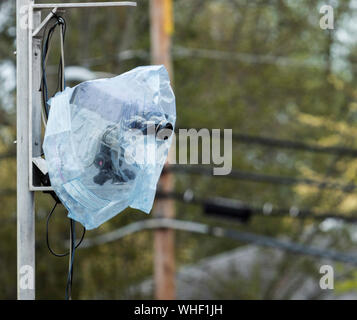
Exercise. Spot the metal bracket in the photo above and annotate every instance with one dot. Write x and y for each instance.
(35, 25)
(43, 23)
(84, 5)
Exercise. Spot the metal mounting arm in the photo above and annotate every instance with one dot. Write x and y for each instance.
(84, 5)
(56, 6)
(35, 25)
(44, 22)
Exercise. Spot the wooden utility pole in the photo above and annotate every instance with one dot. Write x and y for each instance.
(164, 244)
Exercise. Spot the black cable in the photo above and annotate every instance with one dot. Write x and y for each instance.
(71, 252)
(254, 210)
(45, 49)
(289, 144)
(295, 145)
(47, 236)
(71, 259)
(59, 21)
(263, 178)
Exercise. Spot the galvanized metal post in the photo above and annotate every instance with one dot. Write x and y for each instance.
(25, 198)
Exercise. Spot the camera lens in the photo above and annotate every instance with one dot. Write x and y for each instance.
(164, 132)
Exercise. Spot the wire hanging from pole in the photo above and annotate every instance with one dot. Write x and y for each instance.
(61, 23)
(61, 85)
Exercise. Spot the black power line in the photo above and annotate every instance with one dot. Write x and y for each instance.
(290, 144)
(263, 178)
(232, 208)
(295, 145)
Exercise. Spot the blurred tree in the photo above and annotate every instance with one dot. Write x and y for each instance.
(258, 67)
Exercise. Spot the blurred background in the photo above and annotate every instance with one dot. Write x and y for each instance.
(287, 89)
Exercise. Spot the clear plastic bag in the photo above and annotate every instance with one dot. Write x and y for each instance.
(106, 142)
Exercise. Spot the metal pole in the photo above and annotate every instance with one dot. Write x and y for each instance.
(164, 241)
(25, 198)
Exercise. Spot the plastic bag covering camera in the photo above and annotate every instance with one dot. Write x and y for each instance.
(106, 142)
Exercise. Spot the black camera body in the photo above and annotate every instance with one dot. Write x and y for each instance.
(147, 122)
(104, 161)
